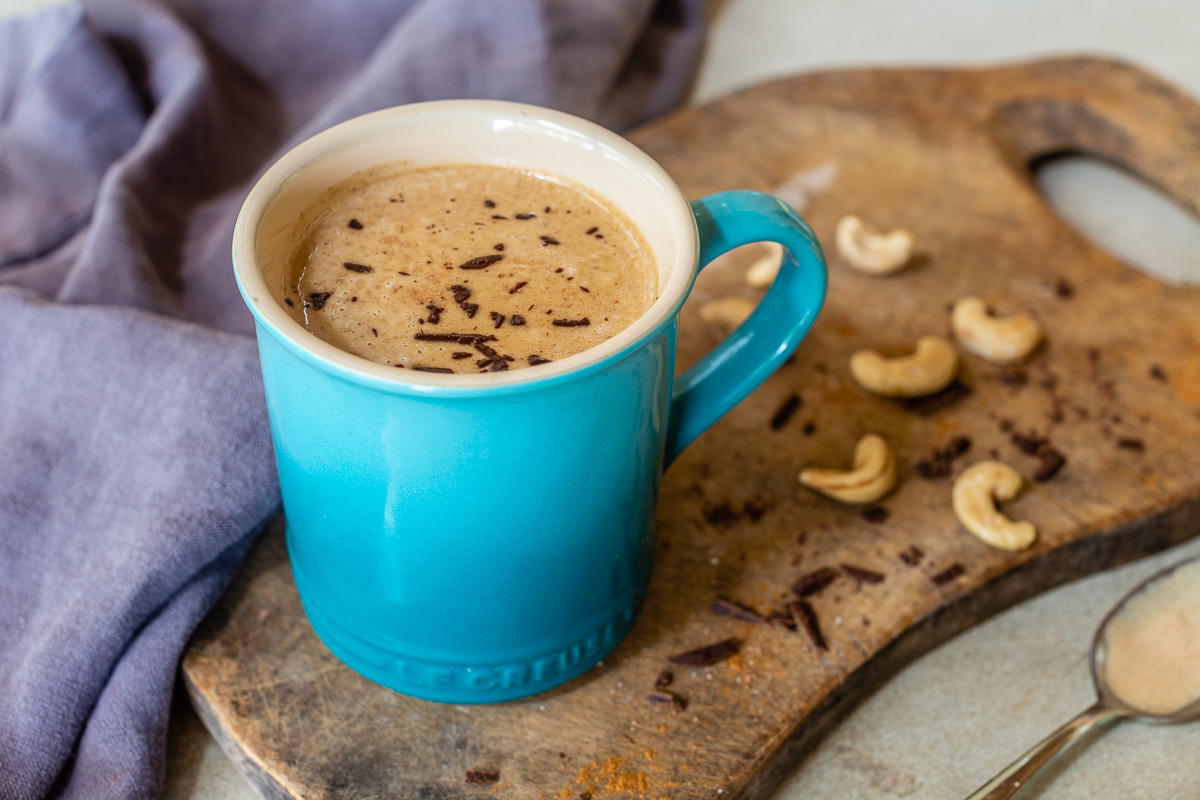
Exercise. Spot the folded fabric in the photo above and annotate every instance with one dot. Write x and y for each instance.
(135, 458)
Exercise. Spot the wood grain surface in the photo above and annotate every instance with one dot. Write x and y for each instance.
(1116, 388)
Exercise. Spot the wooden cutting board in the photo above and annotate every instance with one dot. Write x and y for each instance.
(1116, 388)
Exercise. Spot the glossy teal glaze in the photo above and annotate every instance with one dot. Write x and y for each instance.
(474, 545)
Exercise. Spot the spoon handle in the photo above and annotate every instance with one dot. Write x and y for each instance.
(1021, 774)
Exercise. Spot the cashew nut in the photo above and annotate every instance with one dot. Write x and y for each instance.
(727, 313)
(974, 499)
(930, 369)
(1001, 340)
(872, 252)
(873, 475)
(762, 272)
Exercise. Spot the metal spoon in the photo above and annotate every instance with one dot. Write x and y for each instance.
(1022, 773)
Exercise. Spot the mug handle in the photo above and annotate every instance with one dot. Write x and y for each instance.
(759, 345)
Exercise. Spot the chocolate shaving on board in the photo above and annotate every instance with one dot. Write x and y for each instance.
(482, 777)
(875, 514)
(912, 556)
(1051, 462)
(815, 581)
(804, 613)
(709, 654)
(481, 262)
(668, 699)
(571, 323)
(936, 402)
(664, 679)
(318, 299)
(862, 574)
(785, 412)
(728, 608)
(350, 265)
(948, 574)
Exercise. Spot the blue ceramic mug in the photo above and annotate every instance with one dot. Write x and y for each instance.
(479, 538)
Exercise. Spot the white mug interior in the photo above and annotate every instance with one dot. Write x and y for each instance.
(498, 133)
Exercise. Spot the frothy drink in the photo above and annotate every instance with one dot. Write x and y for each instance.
(466, 268)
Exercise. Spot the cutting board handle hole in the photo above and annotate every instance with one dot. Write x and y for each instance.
(1123, 214)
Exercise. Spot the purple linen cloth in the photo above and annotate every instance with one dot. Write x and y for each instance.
(135, 459)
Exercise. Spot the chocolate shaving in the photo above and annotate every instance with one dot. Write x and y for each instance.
(936, 402)
(460, 338)
(1030, 444)
(1130, 443)
(572, 323)
(496, 364)
(948, 574)
(481, 263)
(350, 265)
(782, 619)
(288, 301)
(728, 608)
(470, 308)
(318, 299)
(374, 332)
(526, 215)
(814, 582)
(499, 248)
(535, 360)
(516, 319)
(433, 369)
(940, 462)
(355, 224)
(488, 204)
(1156, 372)
(497, 216)
(435, 313)
(1051, 462)
(548, 240)
(1013, 376)
(668, 699)
(589, 291)
(912, 556)
(517, 288)
(1064, 289)
(862, 574)
(460, 355)
(875, 514)
(803, 611)
(664, 679)
(482, 777)
(497, 319)
(592, 230)
(709, 654)
(461, 293)
(785, 412)
(810, 428)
